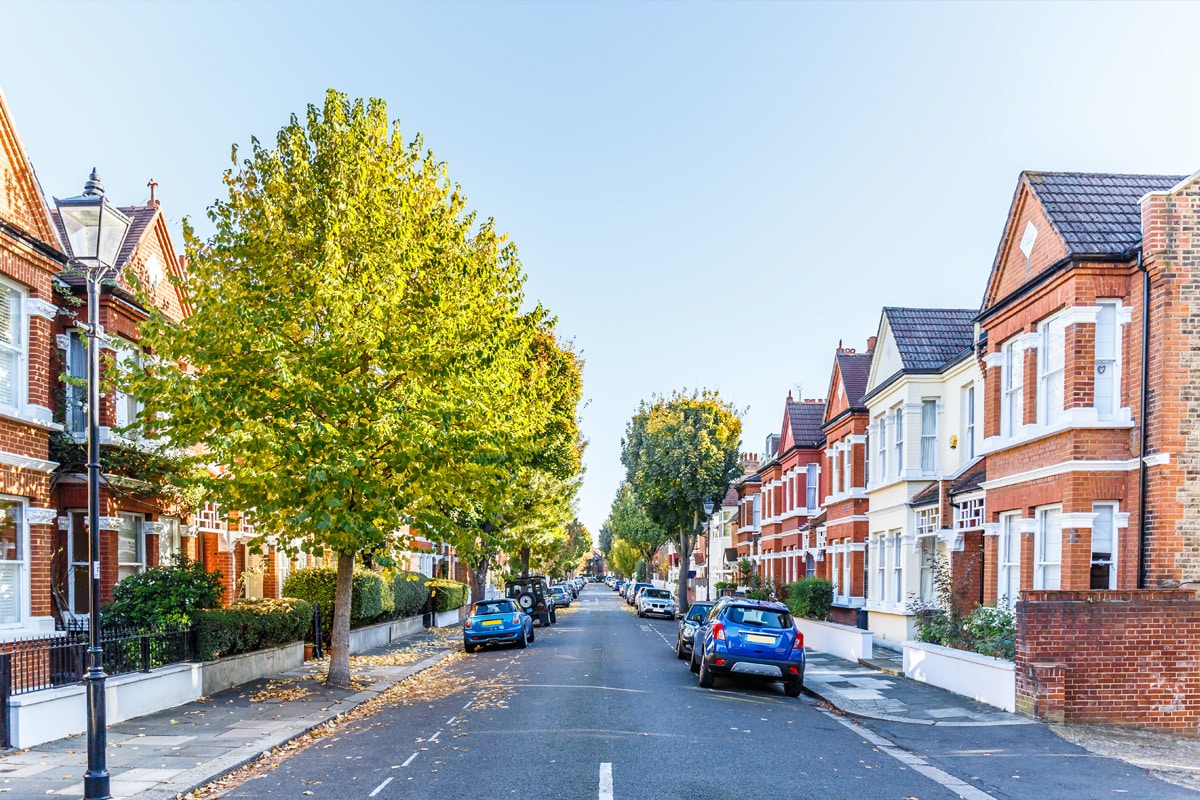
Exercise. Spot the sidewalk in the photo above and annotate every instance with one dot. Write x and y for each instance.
(162, 755)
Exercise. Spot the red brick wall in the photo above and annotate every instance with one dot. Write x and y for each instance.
(1128, 658)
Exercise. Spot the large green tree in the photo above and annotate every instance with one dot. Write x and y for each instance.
(630, 521)
(356, 343)
(678, 452)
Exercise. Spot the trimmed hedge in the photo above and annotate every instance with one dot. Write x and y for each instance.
(409, 593)
(319, 585)
(163, 596)
(810, 598)
(448, 595)
(249, 625)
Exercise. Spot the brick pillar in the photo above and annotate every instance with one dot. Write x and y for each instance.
(1029, 412)
(992, 400)
(991, 563)
(1079, 377)
(1076, 552)
(1044, 695)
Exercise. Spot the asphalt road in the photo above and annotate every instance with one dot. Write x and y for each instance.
(599, 707)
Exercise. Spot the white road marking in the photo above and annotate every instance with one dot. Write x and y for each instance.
(915, 762)
(409, 760)
(434, 738)
(468, 705)
(379, 788)
(606, 789)
(450, 721)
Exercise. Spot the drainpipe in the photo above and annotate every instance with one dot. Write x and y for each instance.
(1145, 411)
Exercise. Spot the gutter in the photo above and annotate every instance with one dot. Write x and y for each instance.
(53, 253)
(1145, 435)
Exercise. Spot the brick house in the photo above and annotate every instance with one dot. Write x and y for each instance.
(749, 516)
(30, 257)
(844, 528)
(922, 379)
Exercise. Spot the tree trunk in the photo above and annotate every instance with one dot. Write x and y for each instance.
(685, 557)
(525, 562)
(339, 660)
(478, 574)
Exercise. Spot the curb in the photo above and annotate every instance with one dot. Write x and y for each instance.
(206, 773)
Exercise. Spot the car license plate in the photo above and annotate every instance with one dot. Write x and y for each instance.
(758, 638)
(488, 622)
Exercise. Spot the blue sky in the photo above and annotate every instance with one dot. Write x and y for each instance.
(706, 194)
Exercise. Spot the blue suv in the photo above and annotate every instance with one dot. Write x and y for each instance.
(754, 639)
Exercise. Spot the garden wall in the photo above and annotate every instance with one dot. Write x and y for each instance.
(1127, 658)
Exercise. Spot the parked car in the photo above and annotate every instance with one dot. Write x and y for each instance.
(533, 595)
(689, 623)
(632, 592)
(497, 622)
(751, 639)
(560, 595)
(659, 602)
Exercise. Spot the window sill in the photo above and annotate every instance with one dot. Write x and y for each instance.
(32, 416)
(1081, 420)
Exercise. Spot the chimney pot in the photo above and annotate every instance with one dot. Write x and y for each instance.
(871, 344)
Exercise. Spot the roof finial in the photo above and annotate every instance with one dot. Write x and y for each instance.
(153, 184)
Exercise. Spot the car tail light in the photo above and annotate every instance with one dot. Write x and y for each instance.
(793, 670)
(467, 625)
(516, 619)
(718, 631)
(799, 643)
(720, 662)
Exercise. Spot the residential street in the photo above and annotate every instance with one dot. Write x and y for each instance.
(600, 707)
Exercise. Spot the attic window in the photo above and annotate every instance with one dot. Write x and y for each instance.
(1027, 239)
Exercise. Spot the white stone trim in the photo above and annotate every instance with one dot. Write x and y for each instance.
(1063, 468)
(1077, 519)
(41, 516)
(111, 523)
(26, 462)
(857, 438)
(1027, 525)
(829, 523)
(62, 341)
(41, 308)
(1157, 459)
(1121, 519)
(1124, 314)
(1076, 315)
(991, 529)
(35, 416)
(993, 360)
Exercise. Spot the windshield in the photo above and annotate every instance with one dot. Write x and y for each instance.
(657, 594)
(493, 607)
(697, 613)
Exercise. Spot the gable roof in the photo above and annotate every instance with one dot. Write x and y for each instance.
(929, 339)
(972, 479)
(1096, 213)
(806, 420)
(855, 368)
(23, 205)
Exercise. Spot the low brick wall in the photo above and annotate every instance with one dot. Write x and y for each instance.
(1127, 658)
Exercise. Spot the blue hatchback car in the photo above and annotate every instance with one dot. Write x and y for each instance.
(498, 621)
(753, 639)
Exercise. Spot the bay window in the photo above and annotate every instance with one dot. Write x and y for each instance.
(928, 436)
(1107, 367)
(1047, 549)
(898, 424)
(13, 591)
(1051, 361)
(131, 545)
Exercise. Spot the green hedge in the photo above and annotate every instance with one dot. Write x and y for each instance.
(409, 593)
(163, 596)
(319, 585)
(249, 625)
(810, 598)
(448, 595)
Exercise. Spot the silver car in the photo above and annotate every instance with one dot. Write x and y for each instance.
(659, 602)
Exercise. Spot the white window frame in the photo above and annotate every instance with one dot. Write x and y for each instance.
(130, 521)
(880, 587)
(811, 484)
(929, 436)
(1047, 548)
(14, 572)
(1111, 509)
(846, 564)
(75, 367)
(898, 440)
(1052, 370)
(927, 554)
(847, 466)
(1013, 387)
(897, 567)
(18, 348)
(169, 532)
(967, 446)
(128, 355)
(1008, 559)
(1107, 366)
(835, 471)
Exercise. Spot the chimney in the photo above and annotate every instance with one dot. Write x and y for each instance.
(840, 350)
(183, 262)
(153, 184)
(871, 345)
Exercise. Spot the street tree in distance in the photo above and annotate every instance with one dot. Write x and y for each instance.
(630, 522)
(678, 452)
(355, 342)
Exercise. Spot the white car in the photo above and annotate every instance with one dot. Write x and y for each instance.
(656, 601)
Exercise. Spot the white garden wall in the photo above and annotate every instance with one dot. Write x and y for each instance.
(842, 641)
(988, 680)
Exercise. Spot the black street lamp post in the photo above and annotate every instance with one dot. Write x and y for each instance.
(95, 231)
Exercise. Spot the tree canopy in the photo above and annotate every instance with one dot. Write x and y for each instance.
(356, 348)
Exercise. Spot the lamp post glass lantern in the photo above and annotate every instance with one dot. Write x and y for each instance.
(95, 231)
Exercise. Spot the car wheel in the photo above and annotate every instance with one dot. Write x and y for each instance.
(532, 635)
(792, 688)
(553, 618)
(706, 677)
(693, 666)
(641, 615)
(470, 648)
(679, 650)
(523, 640)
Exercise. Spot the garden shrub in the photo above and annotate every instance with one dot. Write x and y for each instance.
(448, 595)
(810, 598)
(993, 631)
(249, 625)
(409, 593)
(162, 596)
(318, 585)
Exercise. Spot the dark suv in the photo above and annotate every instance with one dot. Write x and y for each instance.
(756, 639)
(533, 595)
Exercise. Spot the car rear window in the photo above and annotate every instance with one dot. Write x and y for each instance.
(500, 607)
(759, 617)
(657, 594)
